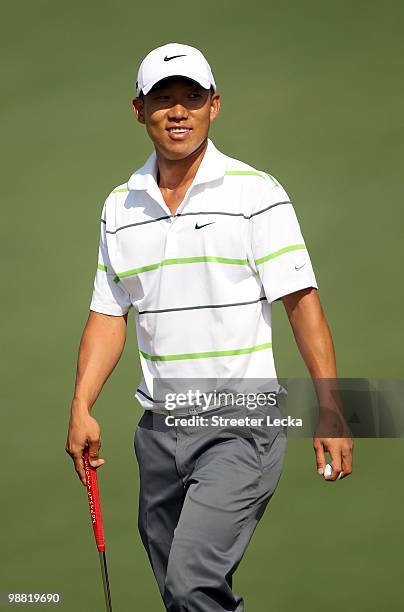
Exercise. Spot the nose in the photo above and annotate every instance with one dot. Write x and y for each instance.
(177, 112)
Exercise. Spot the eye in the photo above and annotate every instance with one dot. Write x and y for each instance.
(195, 96)
(161, 97)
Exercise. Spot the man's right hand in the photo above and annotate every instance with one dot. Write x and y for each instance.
(84, 432)
(101, 346)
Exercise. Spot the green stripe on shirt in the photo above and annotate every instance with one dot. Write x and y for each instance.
(246, 173)
(207, 354)
(179, 261)
(292, 247)
(187, 260)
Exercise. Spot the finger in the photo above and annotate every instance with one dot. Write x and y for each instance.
(93, 453)
(79, 467)
(320, 456)
(328, 472)
(347, 459)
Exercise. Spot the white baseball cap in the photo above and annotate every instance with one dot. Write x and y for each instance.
(171, 60)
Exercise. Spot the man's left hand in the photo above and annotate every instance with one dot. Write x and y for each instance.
(340, 449)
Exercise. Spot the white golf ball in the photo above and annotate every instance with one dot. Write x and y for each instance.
(328, 471)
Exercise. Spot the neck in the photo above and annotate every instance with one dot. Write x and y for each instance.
(174, 174)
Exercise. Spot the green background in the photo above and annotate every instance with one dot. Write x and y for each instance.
(312, 93)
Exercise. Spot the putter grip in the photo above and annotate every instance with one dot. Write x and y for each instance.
(94, 503)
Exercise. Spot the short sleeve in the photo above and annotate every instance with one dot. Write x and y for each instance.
(279, 253)
(108, 296)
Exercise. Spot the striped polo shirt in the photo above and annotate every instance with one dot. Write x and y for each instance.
(201, 281)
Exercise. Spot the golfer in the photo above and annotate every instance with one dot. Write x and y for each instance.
(200, 245)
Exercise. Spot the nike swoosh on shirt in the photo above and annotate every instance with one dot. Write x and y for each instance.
(301, 266)
(204, 225)
(168, 59)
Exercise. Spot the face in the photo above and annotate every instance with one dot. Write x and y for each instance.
(177, 114)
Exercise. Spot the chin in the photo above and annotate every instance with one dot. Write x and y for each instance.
(178, 153)
(179, 150)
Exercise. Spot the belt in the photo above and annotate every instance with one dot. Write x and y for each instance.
(190, 411)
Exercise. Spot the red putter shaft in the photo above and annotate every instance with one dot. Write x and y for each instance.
(98, 526)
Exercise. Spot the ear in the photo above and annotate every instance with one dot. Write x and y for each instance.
(137, 107)
(214, 106)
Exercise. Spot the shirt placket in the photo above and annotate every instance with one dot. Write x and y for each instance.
(171, 248)
(171, 251)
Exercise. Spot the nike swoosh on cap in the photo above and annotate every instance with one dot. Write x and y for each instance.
(168, 59)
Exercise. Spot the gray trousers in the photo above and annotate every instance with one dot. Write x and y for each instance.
(203, 490)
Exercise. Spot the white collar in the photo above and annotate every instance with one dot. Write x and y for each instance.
(212, 168)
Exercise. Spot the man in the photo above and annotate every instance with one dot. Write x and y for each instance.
(200, 245)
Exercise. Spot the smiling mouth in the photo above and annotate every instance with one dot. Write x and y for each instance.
(178, 130)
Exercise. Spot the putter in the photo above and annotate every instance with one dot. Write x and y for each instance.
(98, 527)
